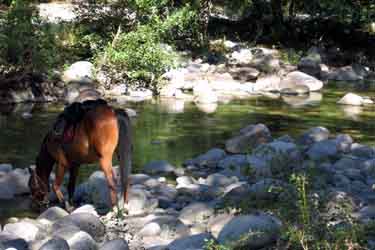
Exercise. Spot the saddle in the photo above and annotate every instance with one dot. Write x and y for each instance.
(64, 126)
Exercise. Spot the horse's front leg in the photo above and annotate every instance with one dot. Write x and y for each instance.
(73, 172)
(60, 171)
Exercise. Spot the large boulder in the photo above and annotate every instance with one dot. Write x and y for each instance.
(23, 229)
(310, 64)
(53, 214)
(250, 231)
(346, 73)
(11, 241)
(117, 244)
(81, 71)
(297, 78)
(197, 241)
(196, 213)
(55, 244)
(249, 138)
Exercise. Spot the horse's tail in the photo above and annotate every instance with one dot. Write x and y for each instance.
(124, 150)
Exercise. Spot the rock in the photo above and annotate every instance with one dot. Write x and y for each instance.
(297, 90)
(250, 231)
(313, 135)
(117, 244)
(77, 240)
(23, 229)
(207, 108)
(117, 90)
(159, 168)
(217, 223)
(197, 212)
(11, 241)
(267, 83)
(7, 189)
(139, 178)
(55, 244)
(323, 150)
(81, 71)
(244, 74)
(20, 178)
(264, 61)
(268, 189)
(171, 227)
(311, 99)
(53, 214)
(80, 92)
(218, 180)
(311, 64)
(184, 181)
(209, 159)
(367, 214)
(85, 222)
(249, 138)
(98, 191)
(139, 203)
(351, 99)
(140, 95)
(362, 151)
(86, 209)
(151, 229)
(297, 78)
(344, 143)
(243, 56)
(205, 97)
(194, 242)
(346, 73)
(234, 193)
(5, 168)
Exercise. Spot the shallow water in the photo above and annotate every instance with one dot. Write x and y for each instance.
(176, 131)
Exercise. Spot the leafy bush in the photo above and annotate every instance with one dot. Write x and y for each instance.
(25, 42)
(141, 55)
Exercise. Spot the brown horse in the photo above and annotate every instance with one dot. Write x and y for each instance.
(100, 133)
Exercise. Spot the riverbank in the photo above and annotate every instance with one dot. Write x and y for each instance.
(253, 193)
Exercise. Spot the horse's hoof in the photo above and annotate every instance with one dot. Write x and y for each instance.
(68, 207)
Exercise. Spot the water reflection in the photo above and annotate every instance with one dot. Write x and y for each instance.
(314, 98)
(207, 108)
(352, 112)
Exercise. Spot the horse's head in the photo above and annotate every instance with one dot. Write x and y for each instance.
(38, 189)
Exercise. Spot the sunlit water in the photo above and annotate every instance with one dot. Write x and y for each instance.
(176, 131)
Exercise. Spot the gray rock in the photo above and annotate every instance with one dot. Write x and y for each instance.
(218, 180)
(88, 208)
(81, 71)
(53, 214)
(297, 78)
(55, 244)
(184, 181)
(117, 244)
(311, 64)
(352, 99)
(217, 223)
(267, 83)
(20, 178)
(139, 203)
(344, 143)
(194, 242)
(80, 241)
(5, 168)
(98, 191)
(209, 159)
(297, 90)
(9, 240)
(322, 150)
(150, 229)
(7, 189)
(362, 151)
(86, 222)
(250, 231)
(234, 193)
(313, 135)
(367, 214)
(249, 138)
(159, 168)
(196, 212)
(346, 73)
(171, 227)
(268, 189)
(346, 163)
(23, 229)
(139, 178)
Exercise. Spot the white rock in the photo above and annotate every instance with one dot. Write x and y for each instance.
(81, 71)
(351, 99)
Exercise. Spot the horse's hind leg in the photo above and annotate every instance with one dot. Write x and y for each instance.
(106, 166)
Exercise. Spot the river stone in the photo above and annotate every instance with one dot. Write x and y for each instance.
(217, 223)
(346, 73)
(313, 135)
(98, 191)
(268, 83)
(210, 158)
(80, 241)
(81, 71)
(218, 180)
(322, 150)
(159, 168)
(55, 244)
(367, 214)
(351, 99)
(7, 190)
(311, 64)
(5, 168)
(234, 193)
(117, 244)
(88, 208)
(171, 227)
(193, 242)
(53, 214)
(10, 241)
(249, 138)
(20, 178)
(138, 202)
(362, 151)
(196, 212)
(23, 229)
(268, 189)
(344, 143)
(86, 222)
(150, 229)
(184, 181)
(250, 231)
(297, 78)
(297, 90)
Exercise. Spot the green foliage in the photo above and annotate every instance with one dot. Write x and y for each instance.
(140, 54)
(213, 245)
(25, 42)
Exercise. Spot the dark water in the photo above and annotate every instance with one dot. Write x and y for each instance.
(176, 131)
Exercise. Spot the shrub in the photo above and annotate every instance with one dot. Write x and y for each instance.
(141, 55)
(26, 43)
